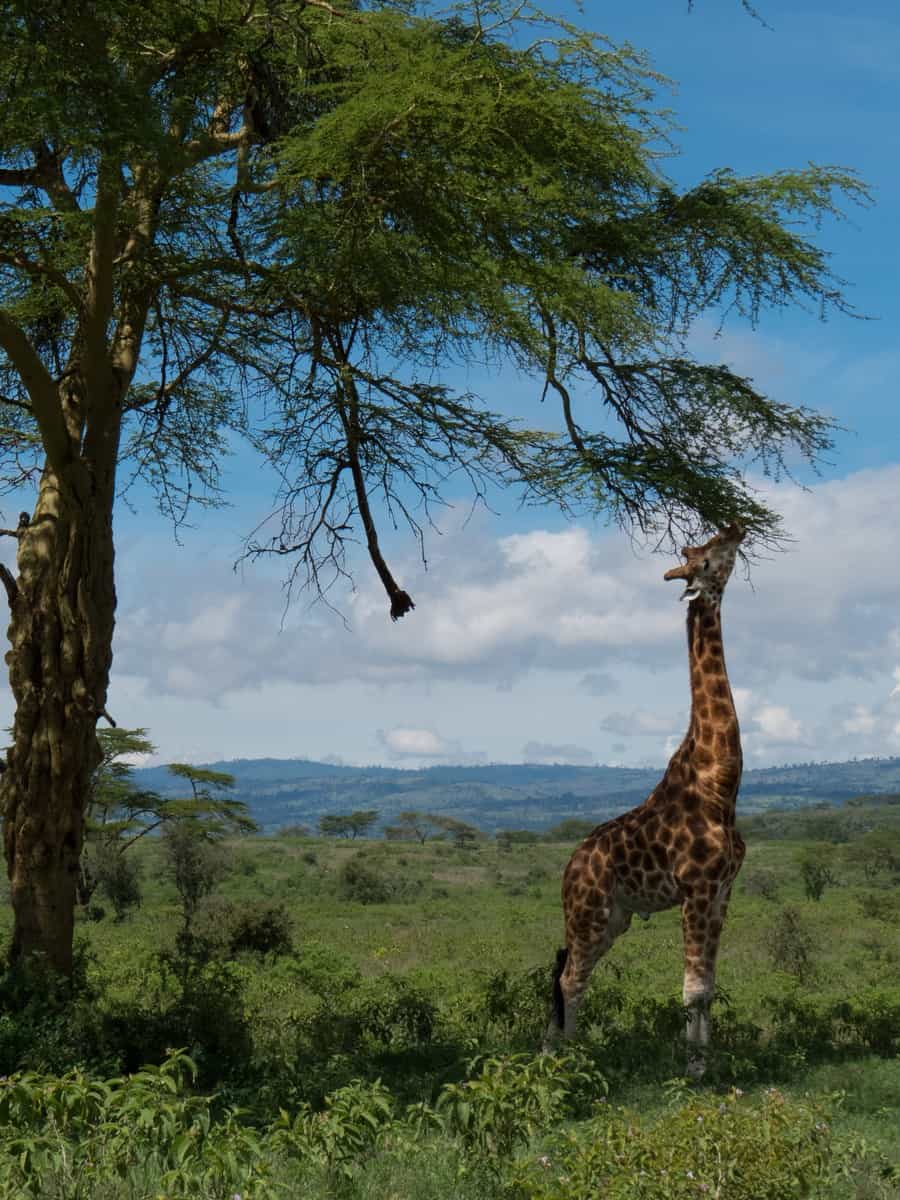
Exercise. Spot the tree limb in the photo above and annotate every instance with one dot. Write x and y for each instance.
(8, 581)
(401, 602)
(41, 389)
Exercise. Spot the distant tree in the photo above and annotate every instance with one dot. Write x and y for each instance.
(361, 822)
(463, 835)
(518, 837)
(118, 877)
(347, 825)
(196, 862)
(120, 813)
(815, 870)
(334, 825)
(877, 852)
(294, 831)
(413, 826)
(572, 829)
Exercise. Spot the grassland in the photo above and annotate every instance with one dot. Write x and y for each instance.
(396, 1043)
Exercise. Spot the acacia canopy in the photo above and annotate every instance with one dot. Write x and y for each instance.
(288, 220)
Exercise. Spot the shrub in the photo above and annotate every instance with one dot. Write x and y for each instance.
(816, 872)
(195, 864)
(879, 906)
(791, 945)
(761, 882)
(711, 1146)
(872, 1019)
(363, 879)
(118, 876)
(261, 927)
(387, 1012)
(509, 1099)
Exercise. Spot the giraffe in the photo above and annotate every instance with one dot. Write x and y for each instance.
(680, 847)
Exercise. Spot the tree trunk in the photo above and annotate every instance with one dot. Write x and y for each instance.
(60, 634)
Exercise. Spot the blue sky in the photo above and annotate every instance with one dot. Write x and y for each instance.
(541, 639)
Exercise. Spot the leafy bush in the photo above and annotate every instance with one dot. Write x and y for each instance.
(118, 875)
(815, 870)
(76, 1136)
(509, 1099)
(872, 1019)
(711, 1146)
(791, 945)
(225, 929)
(363, 879)
(762, 882)
(342, 1135)
(387, 1011)
(879, 906)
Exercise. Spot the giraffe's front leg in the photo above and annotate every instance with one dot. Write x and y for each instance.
(702, 918)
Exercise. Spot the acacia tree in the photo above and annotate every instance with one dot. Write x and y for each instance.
(119, 813)
(285, 219)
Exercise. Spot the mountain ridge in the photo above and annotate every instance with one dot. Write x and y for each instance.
(280, 792)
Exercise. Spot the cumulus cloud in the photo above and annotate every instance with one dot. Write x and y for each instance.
(413, 743)
(493, 611)
(550, 752)
(775, 723)
(424, 746)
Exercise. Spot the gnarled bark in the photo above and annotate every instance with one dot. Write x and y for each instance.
(60, 634)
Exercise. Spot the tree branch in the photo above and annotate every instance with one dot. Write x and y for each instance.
(401, 602)
(41, 389)
(8, 581)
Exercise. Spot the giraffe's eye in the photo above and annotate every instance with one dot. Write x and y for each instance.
(706, 564)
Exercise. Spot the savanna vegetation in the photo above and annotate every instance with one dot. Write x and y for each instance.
(362, 1017)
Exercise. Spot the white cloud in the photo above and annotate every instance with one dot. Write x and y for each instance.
(413, 743)
(775, 723)
(424, 746)
(505, 621)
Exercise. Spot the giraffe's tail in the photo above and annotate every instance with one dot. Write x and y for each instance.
(559, 1000)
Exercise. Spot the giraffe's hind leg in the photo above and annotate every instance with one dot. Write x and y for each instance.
(586, 943)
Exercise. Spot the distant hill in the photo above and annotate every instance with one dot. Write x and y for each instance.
(282, 792)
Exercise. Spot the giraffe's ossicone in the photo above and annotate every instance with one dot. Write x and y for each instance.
(680, 847)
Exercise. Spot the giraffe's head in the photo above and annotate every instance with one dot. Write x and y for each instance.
(706, 568)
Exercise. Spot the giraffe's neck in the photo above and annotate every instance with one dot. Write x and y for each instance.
(713, 740)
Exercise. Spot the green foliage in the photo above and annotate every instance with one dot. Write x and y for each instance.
(258, 927)
(120, 813)
(760, 881)
(348, 825)
(366, 880)
(572, 829)
(714, 1146)
(195, 863)
(791, 944)
(505, 1101)
(816, 870)
(75, 1134)
(344, 1134)
(118, 877)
